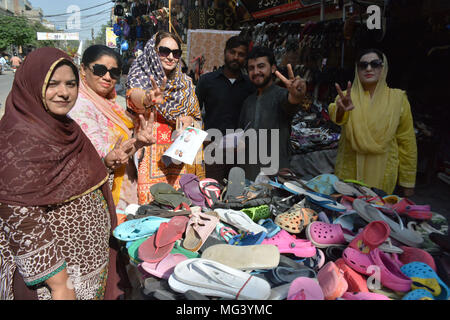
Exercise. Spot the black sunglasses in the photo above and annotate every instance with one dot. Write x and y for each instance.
(374, 64)
(164, 52)
(100, 70)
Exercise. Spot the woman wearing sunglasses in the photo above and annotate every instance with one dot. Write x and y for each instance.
(378, 143)
(56, 208)
(156, 85)
(108, 125)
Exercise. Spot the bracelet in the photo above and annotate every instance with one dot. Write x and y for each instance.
(142, 100)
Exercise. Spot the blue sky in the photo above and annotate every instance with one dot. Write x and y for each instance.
(92, 18)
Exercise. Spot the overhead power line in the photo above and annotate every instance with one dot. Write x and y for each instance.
(64, 14)
(88, 16)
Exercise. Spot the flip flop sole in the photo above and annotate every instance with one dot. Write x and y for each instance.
(244, 257)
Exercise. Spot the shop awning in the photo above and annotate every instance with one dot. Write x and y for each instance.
(265, 8)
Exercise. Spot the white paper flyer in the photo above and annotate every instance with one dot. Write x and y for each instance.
(186, 146)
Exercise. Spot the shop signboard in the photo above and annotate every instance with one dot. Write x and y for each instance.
(265, 8)
(58, 36)
(110, 38)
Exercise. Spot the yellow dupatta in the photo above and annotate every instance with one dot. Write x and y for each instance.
(123, 126)
(372, 125)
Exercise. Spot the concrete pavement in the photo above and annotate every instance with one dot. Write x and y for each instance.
(6, 80)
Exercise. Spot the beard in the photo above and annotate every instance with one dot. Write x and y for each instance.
(264, 83)
(233, 65)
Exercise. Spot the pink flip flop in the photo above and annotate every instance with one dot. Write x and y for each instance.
(159, 245)
(324, 235)
(372, 236)
(164, 268)
(287, 243)
(200, 226)
(304, 288)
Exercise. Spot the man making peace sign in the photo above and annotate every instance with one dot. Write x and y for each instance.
(271, 108)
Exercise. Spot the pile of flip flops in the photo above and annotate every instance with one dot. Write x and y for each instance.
(282, 238)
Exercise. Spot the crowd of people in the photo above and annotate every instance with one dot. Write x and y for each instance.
(73, 159)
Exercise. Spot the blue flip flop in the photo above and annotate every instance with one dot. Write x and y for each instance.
(424, 277)
(322, 200)
(248, 239)
(278, 185)
(138, 228)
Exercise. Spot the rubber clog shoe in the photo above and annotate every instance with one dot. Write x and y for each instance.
(324, 235)
(287, 243)
(258, 213)
(296, 219)
(356, 282)
(138, 228)
(304, 288)
(391, 275)
(332, 281)
(423, 277)
(418, 294)
(372, 236)
(409, 208)
(364, 296)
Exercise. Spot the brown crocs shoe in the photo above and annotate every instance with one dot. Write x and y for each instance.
(296, 219)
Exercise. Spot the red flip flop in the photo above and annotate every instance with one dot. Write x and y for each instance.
(159, 245)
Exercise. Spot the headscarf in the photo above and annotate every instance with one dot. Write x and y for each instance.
(179, 96)
(45, 161)
(109, 108)
(372, 126)
(122, 124)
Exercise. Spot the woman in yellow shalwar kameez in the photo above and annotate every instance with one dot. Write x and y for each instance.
(378, 144)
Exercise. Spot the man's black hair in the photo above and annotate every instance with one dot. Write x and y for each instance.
(258, 52)
(235, 42)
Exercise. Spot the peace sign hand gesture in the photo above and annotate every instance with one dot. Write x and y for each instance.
(156, 94)
(120, 154)
(144, 134)
(344, 102)
(295, 85)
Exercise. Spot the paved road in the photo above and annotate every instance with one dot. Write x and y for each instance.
(6, 80)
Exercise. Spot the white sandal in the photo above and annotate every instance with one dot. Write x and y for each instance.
(239, 220)
(222, 280)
